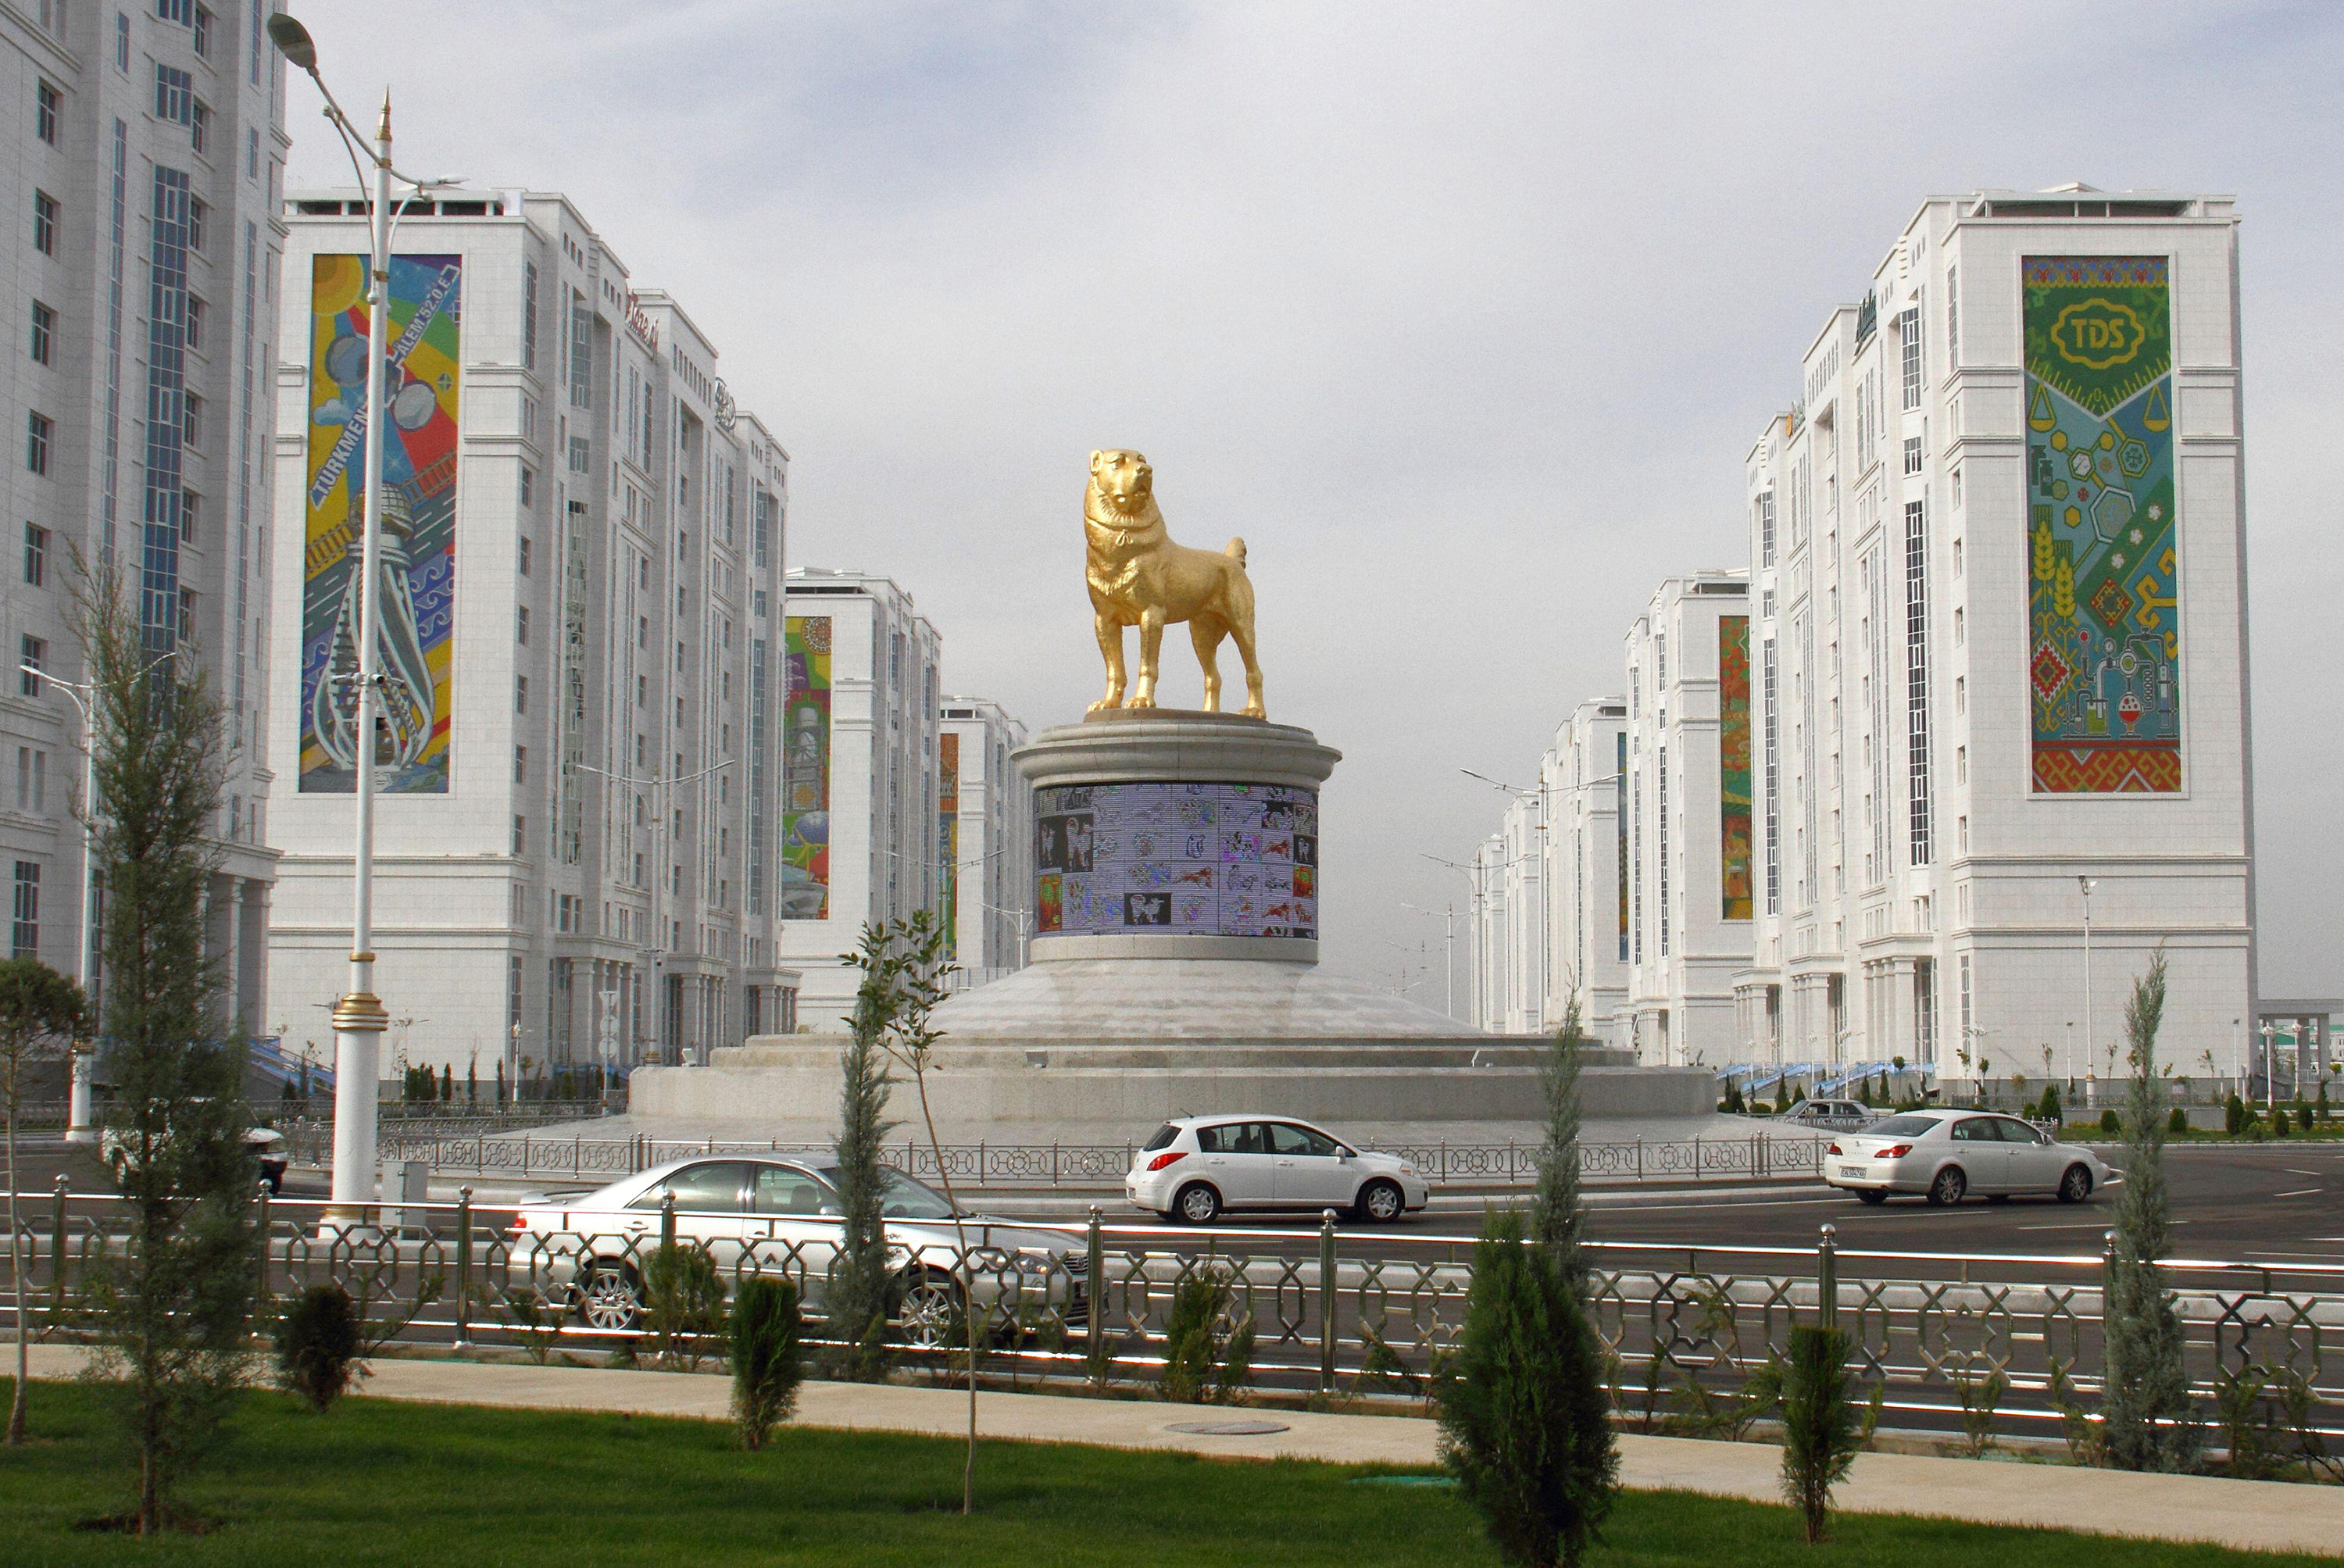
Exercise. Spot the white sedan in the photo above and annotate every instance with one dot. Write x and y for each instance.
(1196, 1166)
(1948, 1155)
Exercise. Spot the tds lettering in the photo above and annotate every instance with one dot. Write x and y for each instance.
(2099, 333)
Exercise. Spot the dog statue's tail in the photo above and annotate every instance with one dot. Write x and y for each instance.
(1236, 548)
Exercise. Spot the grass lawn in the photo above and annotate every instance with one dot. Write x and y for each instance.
(380, 1482)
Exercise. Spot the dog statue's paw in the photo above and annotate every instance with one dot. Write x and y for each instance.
(1256, 711)
(1141, 703)
(1106, 704)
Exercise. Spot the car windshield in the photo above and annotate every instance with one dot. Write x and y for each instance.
(1901, 1127)
(900, 1197)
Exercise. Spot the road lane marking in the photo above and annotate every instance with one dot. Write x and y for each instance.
(2301, 1192)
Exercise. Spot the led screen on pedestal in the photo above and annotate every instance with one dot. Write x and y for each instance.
(1177, 859)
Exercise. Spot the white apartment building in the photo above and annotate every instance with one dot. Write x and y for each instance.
(577, 850)
(985, 838)
(1689, 818)
(146, 143)
(1583, 782)
(862, 721)
(1997, 554)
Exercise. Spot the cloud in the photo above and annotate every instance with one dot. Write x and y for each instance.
(1463, 316)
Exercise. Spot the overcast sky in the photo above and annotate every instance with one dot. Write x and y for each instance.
(1465, 315)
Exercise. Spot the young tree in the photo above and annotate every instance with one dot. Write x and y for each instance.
(911, 973)
(174, 1303)
(2145, 1413)
(1557, 1223)
(1822, 1434)
(1525, 1423)
(859, 1280)
(41, 1011)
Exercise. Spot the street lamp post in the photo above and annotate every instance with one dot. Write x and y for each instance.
(80, 1123)
(360, 1018)
(2270, 1065)
(1448, 951)
(2084, 884)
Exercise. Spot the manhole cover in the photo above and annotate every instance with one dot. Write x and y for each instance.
(1229, 1428)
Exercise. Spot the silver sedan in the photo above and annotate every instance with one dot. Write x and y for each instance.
(1948, 1155)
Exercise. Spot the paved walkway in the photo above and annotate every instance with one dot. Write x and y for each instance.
(2255, 1515)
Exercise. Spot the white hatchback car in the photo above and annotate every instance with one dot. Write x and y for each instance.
(1951, 1154)
(1196, 1166)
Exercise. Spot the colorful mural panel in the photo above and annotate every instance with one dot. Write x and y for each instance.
(1619, 835)
(805, 769)
(2104, 592)
(1177, 859)
(1733, 763)
(417, 596)
(948, 838)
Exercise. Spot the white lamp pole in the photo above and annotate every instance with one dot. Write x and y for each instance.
(80, 1122)
(360, 1018)
(2084, 884)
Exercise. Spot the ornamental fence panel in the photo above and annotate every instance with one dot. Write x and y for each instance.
(2008, 1343)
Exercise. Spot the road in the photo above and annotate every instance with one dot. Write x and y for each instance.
(2246, 1203)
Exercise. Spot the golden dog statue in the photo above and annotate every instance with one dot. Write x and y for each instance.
(1139, 577)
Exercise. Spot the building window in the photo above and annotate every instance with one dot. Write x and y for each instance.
(521, 624)
(194, 420)
(520, 833)
(191, 506)
(252, 153)
(32, 779)
(1908, 324)
(39, 431)
(45, 223)
(199, 124)
(524, 555)
(1766, 527)
(529, 316)
(1912, 454)
(32, 655)
(47, 101)
(1916, 676)
(520, 764)
(528, 485)
(581, 456)
(520, 693)
(122, 42)
(194, 322)
(43, 343)
(197, 213)
(36, 554)
(1961, 695)
(174, 94)
(1953, 319)
(25, 931)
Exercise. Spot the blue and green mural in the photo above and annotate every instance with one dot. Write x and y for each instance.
(2104, 594)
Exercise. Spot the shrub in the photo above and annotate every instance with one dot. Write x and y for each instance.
(1206, 1358)
(2235, 1116)
(2110, 1123)
(2050, 1108)
(2320, 1105)
(1525, 1422)
(318, 1346)
(2178, 1122)
(1734, 1105)
(1821, 1431)
(2278, 1121)
(685, 1305)
(767, 1369)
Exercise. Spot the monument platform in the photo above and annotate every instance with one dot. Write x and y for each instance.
(1175, 969)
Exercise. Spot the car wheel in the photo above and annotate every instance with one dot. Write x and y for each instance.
(610, 1299)
(1949, 1187)
(929, 1312)
(2075, 1185)
(1198, 1204)
(1870, 1197)
(1380, 1203)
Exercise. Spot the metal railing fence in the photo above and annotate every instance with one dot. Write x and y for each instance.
(1757, 1155)
(1333, 1311)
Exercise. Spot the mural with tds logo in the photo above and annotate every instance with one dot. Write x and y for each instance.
(2103, 580)
(416, 595)
(1178, 859)
(805, 769)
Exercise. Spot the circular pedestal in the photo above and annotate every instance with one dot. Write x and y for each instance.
(1168, 834)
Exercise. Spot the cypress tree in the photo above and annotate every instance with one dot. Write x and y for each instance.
(173, 1305)
(2145, 1416)
(860, 1286)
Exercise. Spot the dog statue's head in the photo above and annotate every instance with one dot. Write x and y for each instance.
(1124, 482)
